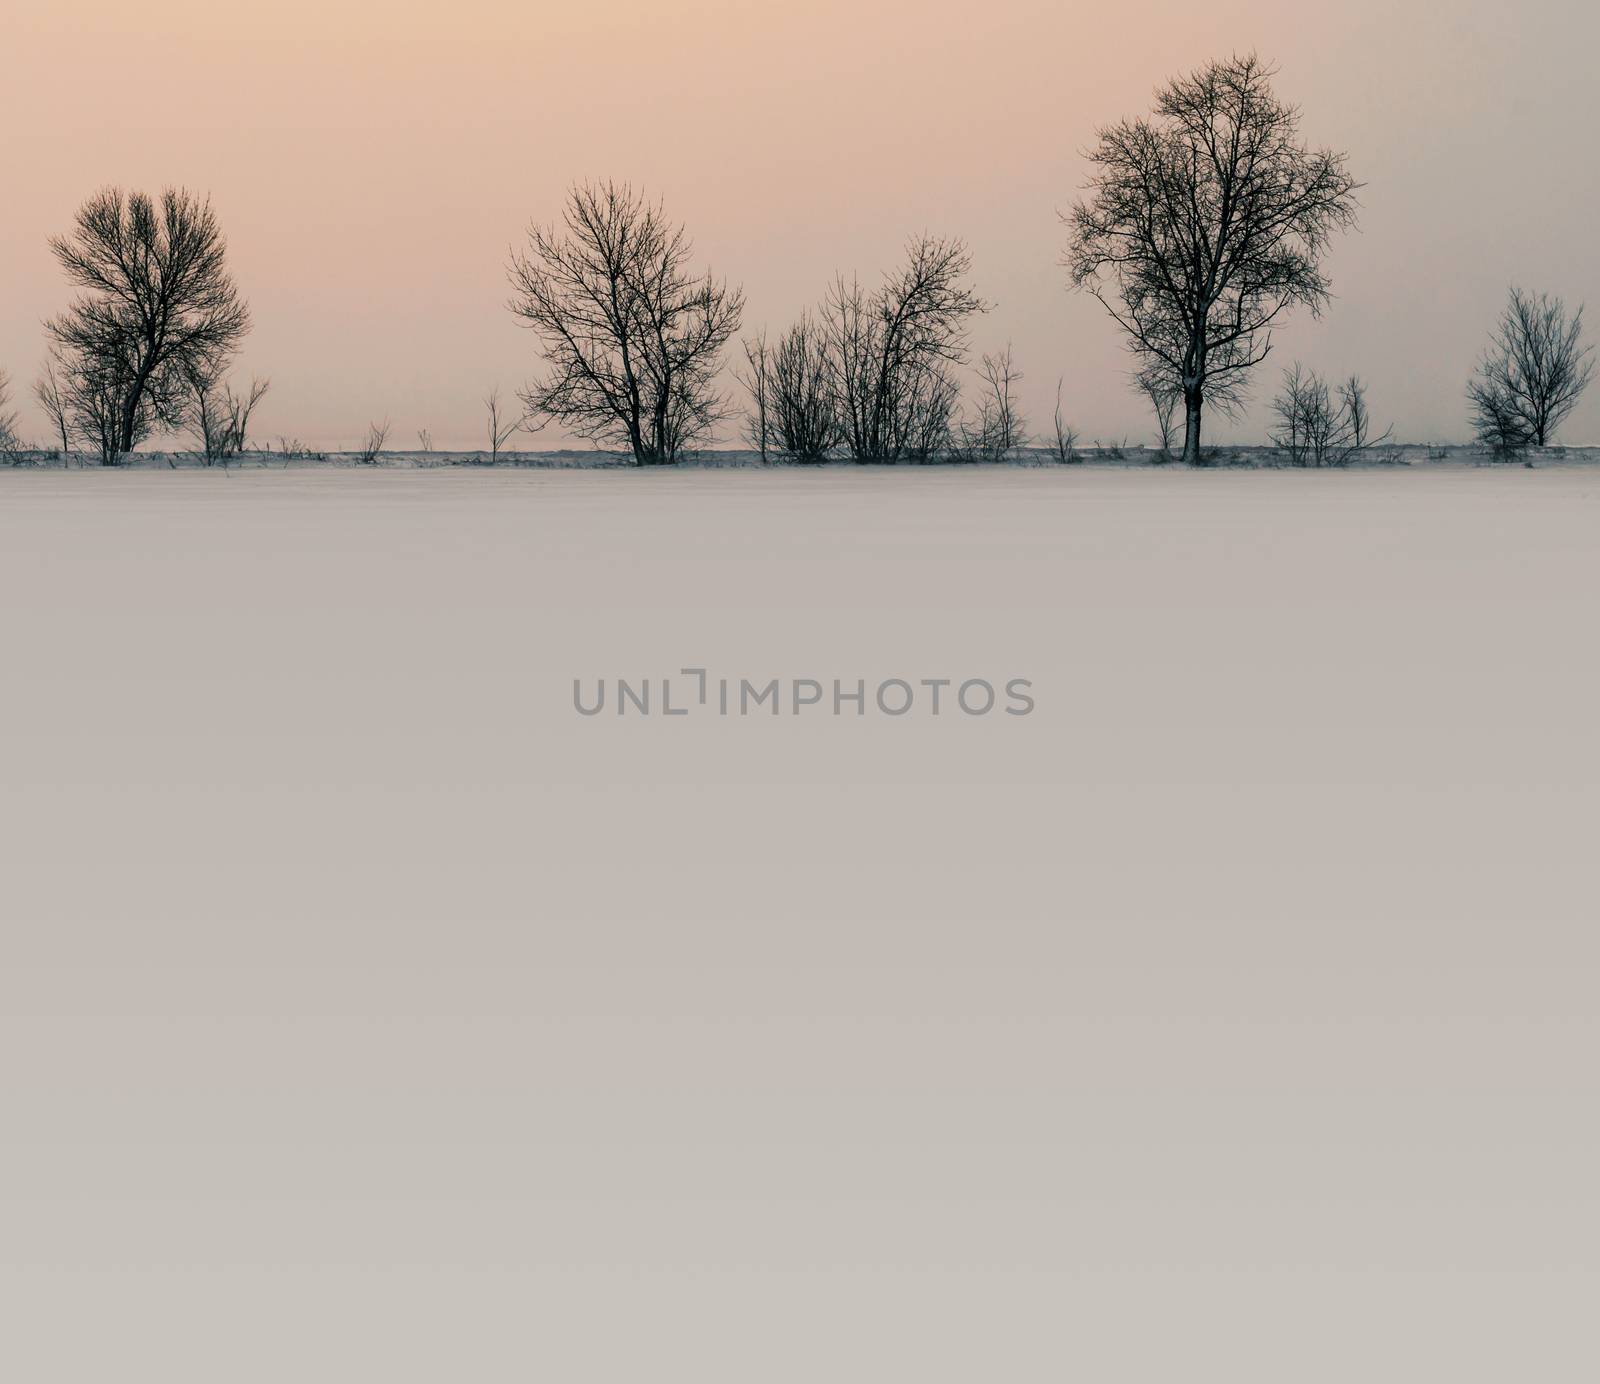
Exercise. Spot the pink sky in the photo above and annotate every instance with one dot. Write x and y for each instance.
(373, 165)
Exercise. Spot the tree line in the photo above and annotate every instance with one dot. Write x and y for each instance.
(1202, 226)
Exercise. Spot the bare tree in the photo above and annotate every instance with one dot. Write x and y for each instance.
(1305, 416)
(372, 446)
(501, 427)
(1319, 426)
(424, 439)
(221, 419)
(97, 386)
(756, 377)
(1000, 426)
(933, 403)
(804, 405)
(1000, 378)
(158, 311)
(1164, 396)
(1204, 224)
(10, 446)
(793, 409)
(633, 340)
(207, 419)
(1358, 418)
(1064, 443)
(50, 392)
(240, 407)
(1533, 373)
(1496, 419)
(892, 352)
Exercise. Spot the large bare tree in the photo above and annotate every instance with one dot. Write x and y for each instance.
(1203, 224)
(632, 337)
(892, 352)
(158, 312)
(1532, 375)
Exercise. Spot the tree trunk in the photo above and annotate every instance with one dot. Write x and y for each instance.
(128, 415)
(129, 412)
(1192, 401)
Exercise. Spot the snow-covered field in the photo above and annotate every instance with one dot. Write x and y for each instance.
(1237, 1005)
(1092, 453)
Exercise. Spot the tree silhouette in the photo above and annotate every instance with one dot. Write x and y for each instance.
(632, 339)
(159, 312)
(1203, 225)
(1533, 373)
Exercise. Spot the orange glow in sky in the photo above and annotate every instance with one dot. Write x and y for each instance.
(373, 164)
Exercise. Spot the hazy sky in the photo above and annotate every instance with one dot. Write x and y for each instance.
(373, 164)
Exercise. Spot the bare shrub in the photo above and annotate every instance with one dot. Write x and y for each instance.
(803, 402)
(999, 426)
(756, 377)
(1164, 397)
(933, 403)
(1064, 438)
(10, 444)
(293, 449)
(1497, 421)
(796, 384)
(892, 352)
(221, 419)
(502, 426)
(372, 447)
(1319, 426)
(1532, 374)
(50, 393)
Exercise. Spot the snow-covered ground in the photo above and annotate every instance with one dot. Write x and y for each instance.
(1092, 453)
(1245, 990)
